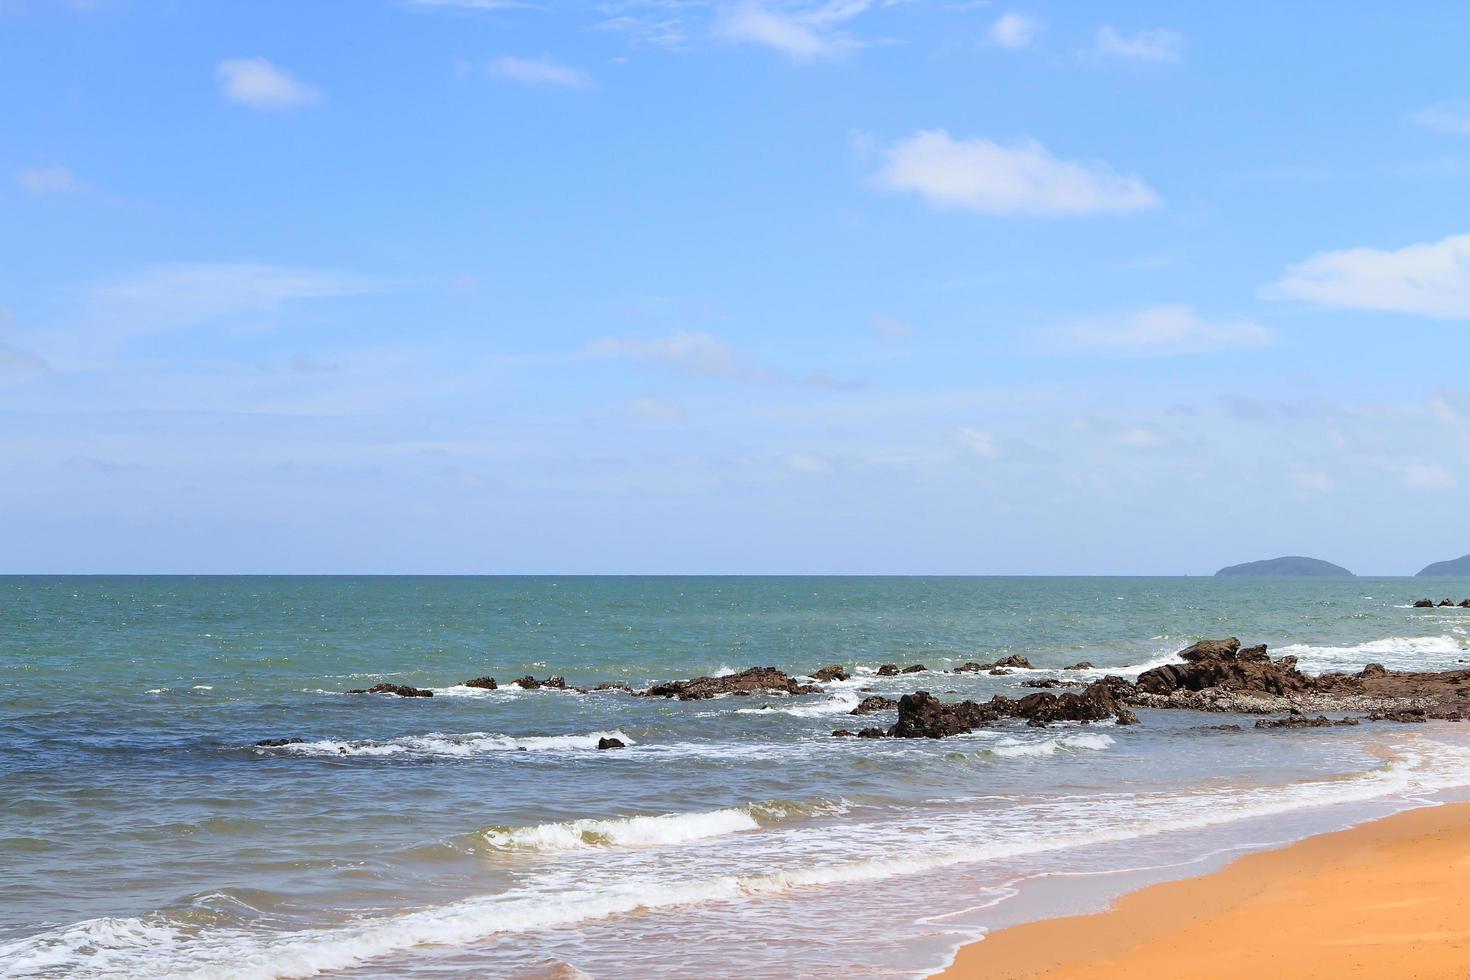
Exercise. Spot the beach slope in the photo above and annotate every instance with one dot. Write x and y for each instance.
(1385, 899)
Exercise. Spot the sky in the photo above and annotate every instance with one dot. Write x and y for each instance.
(689, 286)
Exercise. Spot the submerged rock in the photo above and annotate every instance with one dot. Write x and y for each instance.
(274, 743)
(1080, 665)
(750, 681)
(914, 669)
(554, 683)
(1013, 661)
(484, 683)
(1298, 720)
(611, 743)
(613, 686)
(888, 670)
(1423, 603)
(1406, 715)
(832, 673)
(402, 690)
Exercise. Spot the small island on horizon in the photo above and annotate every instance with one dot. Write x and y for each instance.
(1292, 566)
(1459, 567)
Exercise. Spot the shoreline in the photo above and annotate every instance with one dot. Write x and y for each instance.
(1380, 899)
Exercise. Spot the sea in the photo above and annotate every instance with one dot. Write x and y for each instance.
(143, 833)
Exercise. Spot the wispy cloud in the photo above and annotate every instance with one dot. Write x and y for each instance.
(700, 354)
(1156, 331)
(259, 83)
(50, 180)
(539, 71)
(1429, 279)
(1014, 31)
(1022, 178)
(977, 442)
(1159, 45)
(1452, 118)
(801, 31)
(891, 328)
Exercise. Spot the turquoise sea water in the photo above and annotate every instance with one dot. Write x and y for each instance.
(142, 833)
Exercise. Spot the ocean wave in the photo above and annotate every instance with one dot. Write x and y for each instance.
(839, 703)
(439, 744)
(1050, 746)
(157, 946)
(651, 831)
(1393, 652)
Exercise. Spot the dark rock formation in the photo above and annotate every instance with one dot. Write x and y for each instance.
(613, 686)
(1299, 720)
(751, 681)
(529, 683)
(1046, 682)
(611, 743)
(888, 670)
(1012, 661)
(870, 733)
(876, 702)
(402, 690)
(1423, 603)
(843, 733)
(1446, 602)
(921, 715)
(1407, 715)
(274, 743)
(1083, 665)
(485, 683)
(832, 673)
(1465, 603)
(1222, 665)
(914, 669)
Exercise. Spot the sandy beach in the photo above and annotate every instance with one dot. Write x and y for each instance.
(1385, 899)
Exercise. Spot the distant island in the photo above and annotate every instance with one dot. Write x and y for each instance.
(1290, 567)
(1440, 569)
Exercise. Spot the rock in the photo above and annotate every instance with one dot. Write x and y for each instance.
(1081, 665)
(1126, 717)
(273, 743)
(876, 702)
(1217, 728)
(1374, 670)
(1095, 703)
(1012, 661)
(484, 683)
(922, 715)
(1299, 720)
(613, 686)
(529, 683)
(1423, 603)
(888, 670)
(1258, 652)
(1446, 602)
(611, 743)
(1465, 603)
(1210, 650)
(843, 733)
(998, 672)
(1045, 682)
(402, 690)
(750, 681)
(1407, 716)
(832, 673)
(914, 669)
(870, 733)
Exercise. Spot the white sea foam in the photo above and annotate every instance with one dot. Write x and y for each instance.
(641, 831)
(1393, 652)
(874, 851)
(455, 745)
(839, 703)
(1014, 748)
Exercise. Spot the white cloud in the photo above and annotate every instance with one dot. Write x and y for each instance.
(1159, 330)
(652, 409)
(891, 328)
(700, 354)
(1158, 45)
(805, 464)
(259, 83)
(50, 180)
(1023, 178)
(540, 71)
(177, 295)
(1428, 476)
(803, 32)
(1014, 31)
(1447, 117)
(977, 441)
(1428, 279)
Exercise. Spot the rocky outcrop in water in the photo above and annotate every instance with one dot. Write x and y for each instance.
(611, 743)
(483, 683)
(1082, 665)
(402, 690)
(921, 715)
(754, 680)
(1009, 662)
(1423, 603)
(1299, 720)
(613, 686)
(275, 743)
(832, 673)
(554, 683)
(872, 703)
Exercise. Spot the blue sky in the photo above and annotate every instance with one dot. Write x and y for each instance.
(911, 286)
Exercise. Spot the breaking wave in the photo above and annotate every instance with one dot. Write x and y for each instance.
(437, 744)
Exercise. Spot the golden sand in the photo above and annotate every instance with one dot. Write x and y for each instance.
(1388, 899)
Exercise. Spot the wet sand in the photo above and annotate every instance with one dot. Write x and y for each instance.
(1387, 899)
